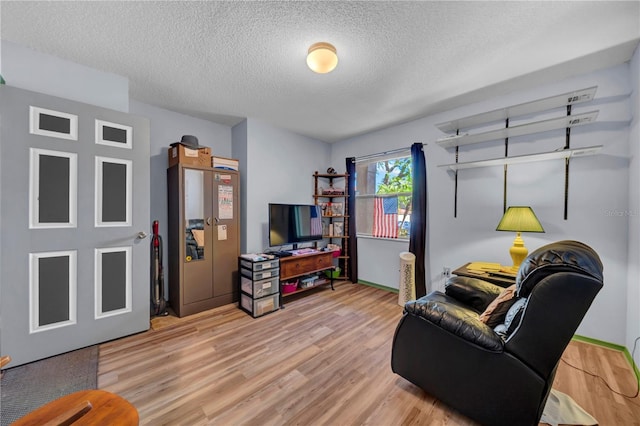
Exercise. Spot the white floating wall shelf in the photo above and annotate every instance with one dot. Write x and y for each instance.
(557, 101)
(504, 114)
(516, 159)
(520, 130)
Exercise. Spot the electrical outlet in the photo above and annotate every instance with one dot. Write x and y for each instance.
(446, 272)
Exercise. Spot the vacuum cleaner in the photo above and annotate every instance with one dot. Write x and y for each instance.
(158, 304)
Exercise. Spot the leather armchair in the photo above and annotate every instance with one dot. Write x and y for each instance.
(499, 375)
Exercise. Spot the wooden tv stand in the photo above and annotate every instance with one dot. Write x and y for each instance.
(306, 264)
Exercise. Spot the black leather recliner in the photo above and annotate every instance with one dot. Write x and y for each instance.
(500, 375)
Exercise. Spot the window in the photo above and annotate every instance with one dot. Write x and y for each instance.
(383, 197)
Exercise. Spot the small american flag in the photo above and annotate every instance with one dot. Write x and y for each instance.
(316, 221)
(385, 217)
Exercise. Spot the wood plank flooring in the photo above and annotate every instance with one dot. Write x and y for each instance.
(323, 360)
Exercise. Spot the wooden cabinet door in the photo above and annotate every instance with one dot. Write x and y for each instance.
(226, 233)
(197, 239)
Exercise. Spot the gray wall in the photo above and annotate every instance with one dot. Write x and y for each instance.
(598, 190)
(39, 72)
(278, 169)
(239, 151)
(168, 127)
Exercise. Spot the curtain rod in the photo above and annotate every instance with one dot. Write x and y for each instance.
(382, 154)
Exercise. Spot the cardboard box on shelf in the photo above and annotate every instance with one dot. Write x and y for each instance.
(225, 163)
(192, 157)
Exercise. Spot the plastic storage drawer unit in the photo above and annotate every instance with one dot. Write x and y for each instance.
(259, 284)
(260, 288)
(260, 275)
(260, 266)
(262, 306)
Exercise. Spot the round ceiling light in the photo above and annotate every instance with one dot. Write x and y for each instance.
(322, 57)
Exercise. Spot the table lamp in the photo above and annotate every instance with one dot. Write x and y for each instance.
(519, 219)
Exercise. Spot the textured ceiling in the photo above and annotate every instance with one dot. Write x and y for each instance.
(224, 61)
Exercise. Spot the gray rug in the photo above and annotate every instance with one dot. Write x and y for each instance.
(29, 386)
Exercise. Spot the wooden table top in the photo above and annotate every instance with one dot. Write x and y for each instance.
(88, 407)
(500, 279)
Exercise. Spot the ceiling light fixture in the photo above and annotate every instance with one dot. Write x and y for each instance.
(322, 57)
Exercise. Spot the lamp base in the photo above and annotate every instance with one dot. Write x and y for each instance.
(518, 252)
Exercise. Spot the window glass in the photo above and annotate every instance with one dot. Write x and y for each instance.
(383, 197)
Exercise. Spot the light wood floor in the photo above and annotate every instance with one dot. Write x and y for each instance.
(323, 360)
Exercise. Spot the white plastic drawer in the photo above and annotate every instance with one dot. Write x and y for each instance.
(261, 288)
(259, 307)
(260, 275)
(260, 266)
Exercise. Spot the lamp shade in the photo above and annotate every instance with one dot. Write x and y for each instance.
(322, 57)
(519, 219)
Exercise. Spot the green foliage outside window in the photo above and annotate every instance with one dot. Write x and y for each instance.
(394, 177)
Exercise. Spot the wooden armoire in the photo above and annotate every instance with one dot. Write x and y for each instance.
(204, 237)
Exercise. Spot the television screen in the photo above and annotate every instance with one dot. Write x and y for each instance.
(294, 223)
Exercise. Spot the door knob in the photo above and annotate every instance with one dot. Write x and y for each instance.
(142, 235)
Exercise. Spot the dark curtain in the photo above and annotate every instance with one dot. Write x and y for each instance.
(419, 220)
(352, 241)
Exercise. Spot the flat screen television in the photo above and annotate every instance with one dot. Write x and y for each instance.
(294, 223)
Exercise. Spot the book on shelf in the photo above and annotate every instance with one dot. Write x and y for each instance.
(332, 191)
